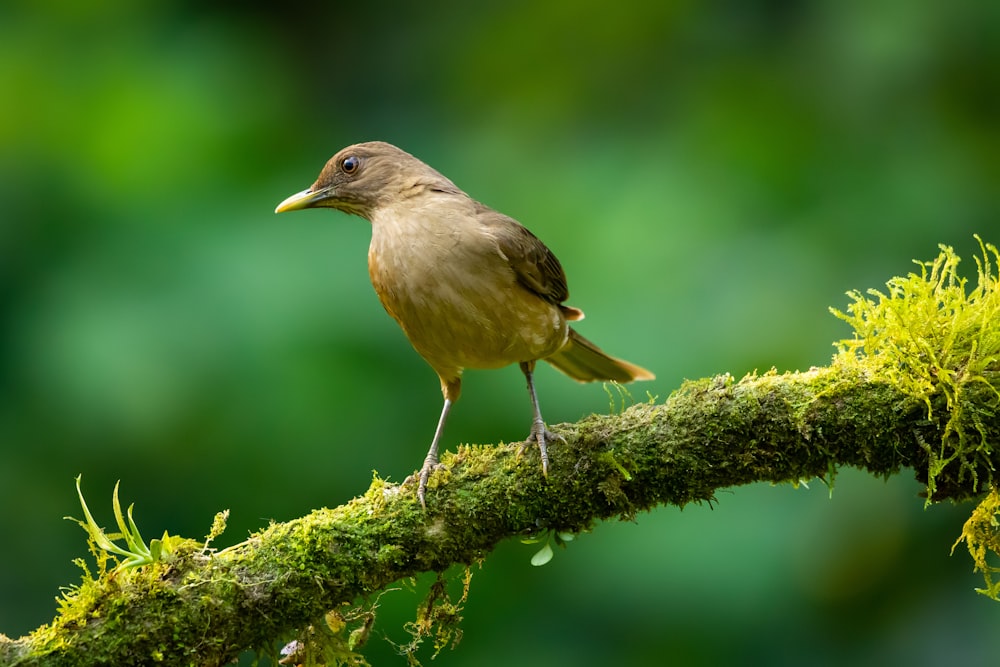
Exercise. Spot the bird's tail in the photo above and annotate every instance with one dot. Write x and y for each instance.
(585, 362)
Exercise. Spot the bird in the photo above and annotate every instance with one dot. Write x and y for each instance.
(469, 286)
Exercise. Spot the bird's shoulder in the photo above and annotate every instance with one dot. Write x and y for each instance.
(534, 265)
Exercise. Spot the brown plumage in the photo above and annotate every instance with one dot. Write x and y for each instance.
(470, 287)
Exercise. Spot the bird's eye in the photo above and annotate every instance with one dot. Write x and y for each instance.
(350, 164)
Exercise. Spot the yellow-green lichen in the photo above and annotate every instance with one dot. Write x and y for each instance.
(932, 338)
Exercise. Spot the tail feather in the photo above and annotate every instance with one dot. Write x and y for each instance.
(585, 362)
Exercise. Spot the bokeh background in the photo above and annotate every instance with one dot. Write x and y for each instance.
(713, 176)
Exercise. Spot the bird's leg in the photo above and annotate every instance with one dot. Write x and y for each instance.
(451, 390)
(431, 460)
(539, 433)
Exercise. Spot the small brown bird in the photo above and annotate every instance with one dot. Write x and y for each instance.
(471, 287)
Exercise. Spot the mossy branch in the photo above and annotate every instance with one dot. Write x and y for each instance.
(917, 388)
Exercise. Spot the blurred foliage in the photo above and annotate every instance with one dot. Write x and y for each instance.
(712, 175)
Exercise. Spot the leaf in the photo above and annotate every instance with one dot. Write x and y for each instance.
(543, 556)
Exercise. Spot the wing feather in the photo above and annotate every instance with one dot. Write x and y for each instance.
(536, 268)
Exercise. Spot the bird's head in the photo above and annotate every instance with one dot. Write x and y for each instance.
(361, 178)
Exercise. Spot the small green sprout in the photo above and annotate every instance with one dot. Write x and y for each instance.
(617, 404)
(136, 553)
(545, 554)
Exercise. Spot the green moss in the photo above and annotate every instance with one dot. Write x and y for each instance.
(438, 617)
(938, 342)
(981, 535)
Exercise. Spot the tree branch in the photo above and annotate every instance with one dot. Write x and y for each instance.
(866, 410)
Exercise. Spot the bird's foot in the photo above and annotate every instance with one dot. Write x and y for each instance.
(541, 436)
(430, 465)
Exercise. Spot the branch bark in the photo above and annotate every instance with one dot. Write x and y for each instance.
(204, 607)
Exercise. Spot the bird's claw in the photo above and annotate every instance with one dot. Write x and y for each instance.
(421, 478)
(541, 436)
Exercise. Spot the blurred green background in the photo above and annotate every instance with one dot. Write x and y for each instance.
(713, 176)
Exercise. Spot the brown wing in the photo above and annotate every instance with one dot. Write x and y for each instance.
(536, 268)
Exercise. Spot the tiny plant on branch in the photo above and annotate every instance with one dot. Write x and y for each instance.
(136, 552)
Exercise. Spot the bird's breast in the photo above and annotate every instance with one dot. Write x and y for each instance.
(457, 298)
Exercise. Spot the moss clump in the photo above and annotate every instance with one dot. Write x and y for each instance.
(938, 342)
(981, 534)
(439, 617)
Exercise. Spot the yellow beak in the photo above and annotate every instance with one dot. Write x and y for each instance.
(304, 199)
